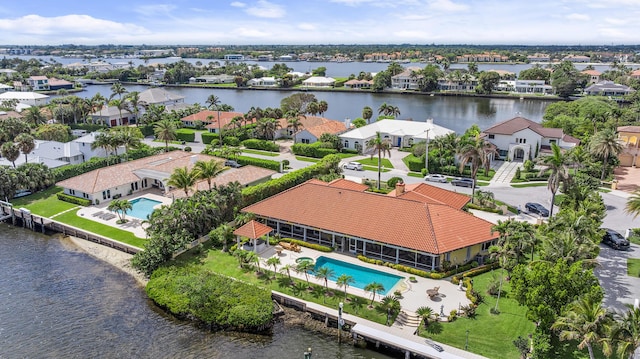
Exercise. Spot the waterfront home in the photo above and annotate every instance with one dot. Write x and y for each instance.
(577, 58)
(129, 177)
(112, 116)
(263, 82)
(38, 83)
(629, 137)
(608, 88)
(213, 79)
(27, 98)
(5, 88)
(539, 58)
(525, 87)
(520, 139)
(407, 79)
(635, 74)
(319, 81)
(412, 229)
(9, 73)
(312, 127)
(358, 84)
(594, 75)
(398, 132)
(210, 119)
(160, 96)
(59, 84)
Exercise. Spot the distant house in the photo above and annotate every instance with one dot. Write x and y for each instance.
(213, 79)
(312, 127)
(319, 81)
(160, 96)
(629, 136)
(539, 58)
(111, 116)
(520, 139)
(263, 82)
(424, 235)
(9, 73)
(407, 79)
(59, 84)
(577, 58)
(635, 74)
(5, 88)
(594, 75)
(608, 88)
(27, 98)
(38, 83)
(398, 132)
(234, 57)
(532, 87)
(210, 119)
(358, 84)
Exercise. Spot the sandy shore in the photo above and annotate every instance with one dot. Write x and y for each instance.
(112, 256)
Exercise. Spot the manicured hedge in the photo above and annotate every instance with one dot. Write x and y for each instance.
(218, 301)
(314, 150)
(185, 135)
(207, 137)
(399, 267)
(263, 145)
(261, 191)
(231, 141)
(415, 164)
(485, 209)
(317, 247)
(73, 199)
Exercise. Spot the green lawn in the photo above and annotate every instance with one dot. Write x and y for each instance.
(224, 263)
(532, 184)
(375, 169)
(307, 159)
(374, 162)
(44, 203)
(262, 153)
(71, 218)
(346, 155)
(633, 267)
(415, 174)
(489, 335)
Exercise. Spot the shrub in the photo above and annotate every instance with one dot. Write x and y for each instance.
(73, 199)
(231, 141)
(315, 150)
(315, 246)
(263, 145)
(485, 209)
(185, 135)
(187, 149)
(518, 174)
(399, 267)
(391, 182)
(207, 137)
(415, 164)
(528, 165)
(453, 315)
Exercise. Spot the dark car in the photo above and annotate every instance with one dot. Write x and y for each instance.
(232, 163)
(615, 240)
(536, 208)
(463, 182)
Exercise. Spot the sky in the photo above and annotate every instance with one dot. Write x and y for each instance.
(246, 22)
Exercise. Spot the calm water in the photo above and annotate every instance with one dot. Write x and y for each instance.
(58, 302)
(456, 113)
(362, 276)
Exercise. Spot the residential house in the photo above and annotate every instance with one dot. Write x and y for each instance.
(358, 84)
(635, 74)
(234, 57)
(85, 142)
(263, 82)
(5, 88)
(319, 81)
(112, 116)
(213, 79)
(424, 233)
(27, 98)
(539, 58)
(311, 133)
(608, 88)
(629, 136)
(210, 119)
(59, 84)
(125, 178)
(520, 139)
(407, 79)
(532, 87)
(9, 73)
(577, 58)
(594, 75)
(160, 96)
(38, 83)
(398, 132)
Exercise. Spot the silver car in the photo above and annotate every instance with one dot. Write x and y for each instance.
(435, 178)
(353, 166)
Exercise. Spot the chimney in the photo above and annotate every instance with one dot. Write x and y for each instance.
(399, 188)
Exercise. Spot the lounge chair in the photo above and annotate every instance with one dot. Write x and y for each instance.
(433, 292)
(99, 213)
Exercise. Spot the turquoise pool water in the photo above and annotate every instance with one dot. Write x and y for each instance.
(361, 275)
(142, 207)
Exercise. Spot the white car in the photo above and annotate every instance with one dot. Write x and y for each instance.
(353, 166)
(435, 178)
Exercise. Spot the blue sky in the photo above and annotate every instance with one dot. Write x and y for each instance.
(216, 22)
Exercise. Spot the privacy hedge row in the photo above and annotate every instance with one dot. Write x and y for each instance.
(415, 164)
(185, 135)
(263, 145)
(218, 301)
(485, 209)
(73, 199)
(315, 246)
(207, 137)
(399, 267)
(261, 191)
(314, 150)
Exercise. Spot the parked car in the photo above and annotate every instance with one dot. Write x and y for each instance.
(232, 163)
(435, 178)
(615, 240)
(536, 208)
(463, 182)
(353, 166)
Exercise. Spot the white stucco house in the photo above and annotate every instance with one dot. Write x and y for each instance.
(160, 96)
(111, 116)
(263, 82)
(399, 132)
(520, 139)
(407, 79)
(27, 98)
(319, 81)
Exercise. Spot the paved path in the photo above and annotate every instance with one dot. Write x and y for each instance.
(505, 172)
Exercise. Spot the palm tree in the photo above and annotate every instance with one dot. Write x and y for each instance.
(274, 262)
(390, 305)
(294, 122)
(382, 147)
(313, 108)
(10, 152)
(184, 179)
(25, 144)
(323, 106)
(224, 234)
(215, 103)
(208, 170)
(287, 269)
(626, 334)
(121, 207)
(133, 104)
(117, 89)
(556, 163)
(103, 140)
(129, 137)
(633, 204)
(305, 267)
(475, 153)
(585, 321)
(345, 280)
(374, 288)
(34, 116)
(502, 253)
(367, 113)
(252, 257)
(605, 144)
(383, 109)
(425, 313)
(165, 130)
(324, 273)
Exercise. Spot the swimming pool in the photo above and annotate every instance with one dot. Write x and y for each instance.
(361, 275)
(142, 207)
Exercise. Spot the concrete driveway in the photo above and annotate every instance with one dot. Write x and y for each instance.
(619, 288)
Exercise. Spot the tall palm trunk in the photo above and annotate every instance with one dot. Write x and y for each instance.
(379, 168)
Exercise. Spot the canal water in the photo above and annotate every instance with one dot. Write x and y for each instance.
(59, 302)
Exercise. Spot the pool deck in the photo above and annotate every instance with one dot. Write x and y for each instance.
(414, 295)
(134, 225)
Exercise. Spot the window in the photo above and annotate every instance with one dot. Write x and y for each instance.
(346, 144)
(305, 140)
(491, 136)
(486, 245)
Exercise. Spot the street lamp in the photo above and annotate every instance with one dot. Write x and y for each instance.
(340, 322)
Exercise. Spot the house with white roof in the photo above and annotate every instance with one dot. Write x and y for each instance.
(399, 132)
(263, 82)
(83, 145)
(9, 73)
(213, 79)
(111, 116)
(608, 88)
(160, 96)
(319, 81)
(5, 88)
(27, 98)
(520, 139)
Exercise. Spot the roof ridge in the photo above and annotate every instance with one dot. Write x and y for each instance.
(432, 229)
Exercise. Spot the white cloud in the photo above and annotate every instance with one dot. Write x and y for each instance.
(238, 4)
(68, 24)
(352, 2)
(616, 21)
(266, 9)
(447, 5)
(578, 17)
(307, 26)
(155, 10)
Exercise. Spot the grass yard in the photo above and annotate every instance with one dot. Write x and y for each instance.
(375, 169)
(307, 159)
(415, 174)
(71, 218)
(346, 155)
(532, 184)
(489, 335)
(374, 162)
(262, 153)
(44, 203)
(633, 267)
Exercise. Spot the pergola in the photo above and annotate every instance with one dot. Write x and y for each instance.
(253, 230)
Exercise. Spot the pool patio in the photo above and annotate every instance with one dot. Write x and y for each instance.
(414, 295)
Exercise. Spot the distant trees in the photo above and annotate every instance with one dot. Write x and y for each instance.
(565, 79)
(487, 82)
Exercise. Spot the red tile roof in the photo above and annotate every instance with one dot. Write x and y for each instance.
(211, 117)
(346, 184)
(633, 129)
(253, 230)
(427, 227)
(244, 175)
(425, 193)
(509, 127)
